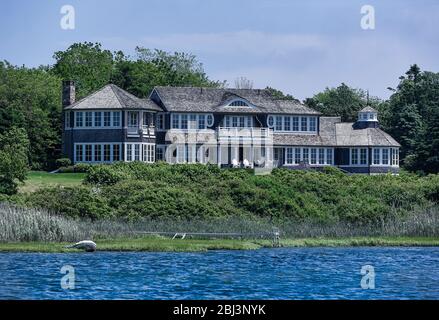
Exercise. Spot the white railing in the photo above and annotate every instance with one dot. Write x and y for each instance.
(252, 132)
(148, 131)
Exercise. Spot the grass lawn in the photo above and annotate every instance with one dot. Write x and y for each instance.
(196, 245)
(38, 179)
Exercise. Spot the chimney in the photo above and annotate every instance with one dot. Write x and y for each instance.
(68, 92)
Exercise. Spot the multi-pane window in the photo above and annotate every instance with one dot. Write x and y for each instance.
(98, 153)
(321, 156)
(137, 152)
(329, 156)
(148, 152)
(88, 153)
(184, 121)
(363, 156)
(79, 119)
(201, 121)
(98, 119)
(78, 153)
(297, 155)
(193, 121)
(160, 121)
(312, 124)
(107, 152)
(305, 153)
(354, 156)
(160, 153)
(107, 119)
(376, 156)
(295, 123)
(88, 119)
(385, 156)
(175, 121)
(129, 152)
(313, 155)
(304, 124)
(116, 119)
(287, 123)
(278, 126)
(116, 152)
(133, 119)
(289, 156)
(395, 156)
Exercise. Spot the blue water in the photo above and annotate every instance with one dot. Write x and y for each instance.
(287, 273)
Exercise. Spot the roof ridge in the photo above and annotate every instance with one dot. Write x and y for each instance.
(114, 92)
(88, 96)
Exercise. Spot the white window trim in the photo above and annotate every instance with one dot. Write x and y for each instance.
(295, 162)
(83, 127)
(141, 147)
(83, 144)
(198, 116)
(272, 117)
(359, 157)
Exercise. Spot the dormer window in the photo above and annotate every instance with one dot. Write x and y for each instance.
(238, 103)
(368, 114)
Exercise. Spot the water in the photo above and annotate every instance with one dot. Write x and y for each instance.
(287, 273)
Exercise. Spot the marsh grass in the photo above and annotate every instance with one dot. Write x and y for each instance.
(26, 225)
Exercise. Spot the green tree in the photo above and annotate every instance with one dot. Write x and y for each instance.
(277, 94)
(87, 63)
(14, 149)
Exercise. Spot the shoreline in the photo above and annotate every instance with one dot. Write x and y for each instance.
(157, 244)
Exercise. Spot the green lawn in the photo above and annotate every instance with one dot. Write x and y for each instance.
(38, 179)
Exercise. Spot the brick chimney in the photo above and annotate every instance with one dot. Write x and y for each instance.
(68, 92)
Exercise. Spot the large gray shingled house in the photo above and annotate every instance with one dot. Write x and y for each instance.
(228, 127)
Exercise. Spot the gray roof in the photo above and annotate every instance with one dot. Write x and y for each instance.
(195, 99)
(335, 133)
(368, 109)
(113, 97)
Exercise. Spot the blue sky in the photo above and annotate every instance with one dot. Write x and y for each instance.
(300, 47)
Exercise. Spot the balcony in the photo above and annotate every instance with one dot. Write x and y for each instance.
(246, 133)
(145, 131)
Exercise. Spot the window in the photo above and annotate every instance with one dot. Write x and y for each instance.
(201, 121)
(107, 152)
(67, 119)
(305, 155)
(78, 153)
(312, 124)
(160, 153)
(295, 123)
(184, 121)
(98, 153)
(88, 119)
(175, 121)
(78, 119)
(160, 121)
(354, 156)
(116, 152)
(385, 156)
(278, 123)
(148, 153)
(313, 156)
(193, 121)
(321, 156)
(376, 156)
(133, 119)
(136, 152)
(395, 156)
(88, 153)
(363, 156)
(116, 119)
(287, 123)
(209, 120)
(304, 124)
(297, 156)
(98, 119)
(289, 157)
(238, 103)
(129, 152)
(329, 156)
(270, 121)
(107, 119)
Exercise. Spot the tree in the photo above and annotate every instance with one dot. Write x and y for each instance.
(342, 101)
(243, 83)
(14, 149)
(277, 94)
(87, 63)
(413, 119)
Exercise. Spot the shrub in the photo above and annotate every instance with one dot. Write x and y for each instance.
(63, 162)
(82, 167)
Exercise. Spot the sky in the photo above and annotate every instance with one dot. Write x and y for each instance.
(299, 47)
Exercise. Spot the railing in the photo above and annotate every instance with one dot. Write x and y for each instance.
(224, 132)
(148, 131)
